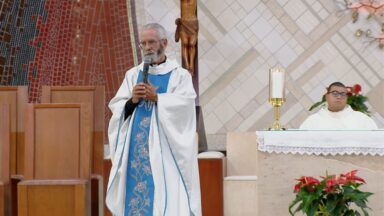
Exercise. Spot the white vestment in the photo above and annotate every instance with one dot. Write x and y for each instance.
(346, 119)
(171, 143)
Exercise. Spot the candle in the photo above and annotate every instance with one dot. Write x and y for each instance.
(276, 83)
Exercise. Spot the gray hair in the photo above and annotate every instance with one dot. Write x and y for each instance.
(159, 29)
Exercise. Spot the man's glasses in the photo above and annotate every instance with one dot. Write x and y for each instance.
(336, 94)
(150, 43)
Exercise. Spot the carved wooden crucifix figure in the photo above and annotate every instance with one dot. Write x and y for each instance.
(187, 30)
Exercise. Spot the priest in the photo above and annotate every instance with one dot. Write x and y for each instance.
(336, 114)
(152, 136)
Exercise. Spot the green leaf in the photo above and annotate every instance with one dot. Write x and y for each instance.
(361, 203)
(318, 103)
(293, 204)
(315, 105)
(313, 208)
(299, 208)
(338, 210)
(357, 103)
(307, 202)
(358, 195)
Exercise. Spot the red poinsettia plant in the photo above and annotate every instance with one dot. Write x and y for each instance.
(331, 196)
(355, 100)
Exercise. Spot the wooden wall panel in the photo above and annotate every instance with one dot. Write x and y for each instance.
(17, 98)
(107, 169)
(94, 96)
(58, 142)
(52, 141)
(58, 161)
(5, 132)
(211, 184)
(4, 142)
(2, 199)
(59, 198)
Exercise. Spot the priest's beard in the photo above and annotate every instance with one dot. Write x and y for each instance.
(156, 55)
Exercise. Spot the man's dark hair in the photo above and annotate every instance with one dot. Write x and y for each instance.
(338, 84)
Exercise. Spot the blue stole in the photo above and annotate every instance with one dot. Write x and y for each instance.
(140, 186)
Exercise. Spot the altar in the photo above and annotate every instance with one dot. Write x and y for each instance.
(277, 158)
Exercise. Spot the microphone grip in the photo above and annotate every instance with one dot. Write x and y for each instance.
(145, 73)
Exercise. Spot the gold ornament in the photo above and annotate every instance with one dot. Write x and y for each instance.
(358, 33)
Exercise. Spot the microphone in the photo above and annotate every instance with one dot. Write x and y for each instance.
(147, 61)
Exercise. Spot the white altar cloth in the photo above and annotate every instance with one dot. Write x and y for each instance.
(322, 142)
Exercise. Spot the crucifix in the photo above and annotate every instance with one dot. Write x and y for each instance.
(187, 32)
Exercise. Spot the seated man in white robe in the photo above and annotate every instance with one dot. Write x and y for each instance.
(337, 114)
(152, 137)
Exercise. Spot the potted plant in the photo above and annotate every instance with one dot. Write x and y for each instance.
(331, 196)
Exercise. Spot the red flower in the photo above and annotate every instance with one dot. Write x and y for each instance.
(342, 180)
(308, 182)
(351, 177)
(349, 91)
(354, 90)
(357, 88)
(297, 187)
(330, 183)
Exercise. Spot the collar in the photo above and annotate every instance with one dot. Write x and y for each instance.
(162, 68)
(340, 114)
(162, 62)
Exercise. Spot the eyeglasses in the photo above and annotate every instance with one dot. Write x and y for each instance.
(336, 94)
(150, 43)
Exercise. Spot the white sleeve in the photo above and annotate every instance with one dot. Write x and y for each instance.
(116, 105)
